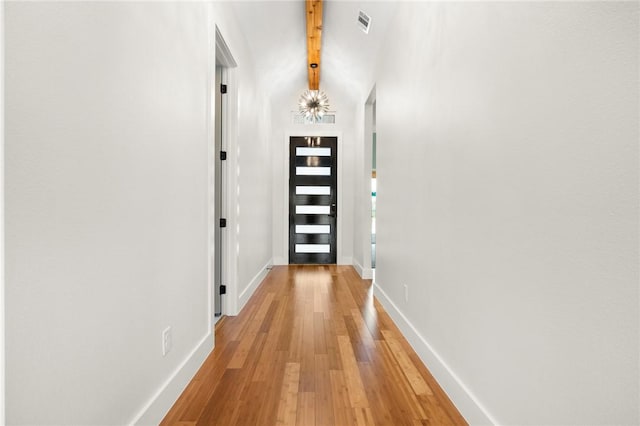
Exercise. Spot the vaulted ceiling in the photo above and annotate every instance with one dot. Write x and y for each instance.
(276, 34)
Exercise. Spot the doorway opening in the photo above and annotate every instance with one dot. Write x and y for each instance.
(374, 191)
(370, 188)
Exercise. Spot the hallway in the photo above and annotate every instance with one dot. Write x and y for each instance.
(312, 347)
(147, 190)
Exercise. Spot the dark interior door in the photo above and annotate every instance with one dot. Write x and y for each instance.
(313, 199)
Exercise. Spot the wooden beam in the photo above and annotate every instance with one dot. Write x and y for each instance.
(314, 41)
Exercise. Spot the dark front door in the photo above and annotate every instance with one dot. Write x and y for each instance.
(313, 199)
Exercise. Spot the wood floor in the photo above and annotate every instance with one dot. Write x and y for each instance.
(312, 347)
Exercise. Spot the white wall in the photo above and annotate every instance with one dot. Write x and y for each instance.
(108, 116)
(249, 199)
(508, 203)
(345, 128)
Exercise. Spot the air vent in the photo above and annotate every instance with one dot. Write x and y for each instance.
(328, 118)
(364, 22)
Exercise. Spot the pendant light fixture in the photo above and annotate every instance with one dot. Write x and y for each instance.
(313, 104)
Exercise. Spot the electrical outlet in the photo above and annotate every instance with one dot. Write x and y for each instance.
(406, 293)
(166, 341)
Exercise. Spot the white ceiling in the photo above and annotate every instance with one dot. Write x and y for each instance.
(276, 33)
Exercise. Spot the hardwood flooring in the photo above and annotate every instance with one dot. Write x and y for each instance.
(312, 347)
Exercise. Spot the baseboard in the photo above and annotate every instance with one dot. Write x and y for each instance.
(467, 403)
(365, 273)
(159, 405)
(253, 285)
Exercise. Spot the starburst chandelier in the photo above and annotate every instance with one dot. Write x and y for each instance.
(313, 105)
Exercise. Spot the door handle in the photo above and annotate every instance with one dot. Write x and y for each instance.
(332, 211)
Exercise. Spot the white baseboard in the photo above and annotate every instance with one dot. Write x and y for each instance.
(161, 402)
(253, 285)
(365, 273)
(464, 400)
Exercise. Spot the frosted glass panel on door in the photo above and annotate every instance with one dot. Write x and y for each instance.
(316, 152)
(313, 229)
(312, 248)
(312, 210)
(313, 190)
(313, 171)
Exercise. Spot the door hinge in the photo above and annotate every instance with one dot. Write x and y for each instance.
(223, 289)
(223, 155)
(223, 88)
(223, 223)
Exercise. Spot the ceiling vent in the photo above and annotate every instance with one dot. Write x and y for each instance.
(364, 22)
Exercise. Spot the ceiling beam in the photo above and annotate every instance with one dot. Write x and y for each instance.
(314, 41)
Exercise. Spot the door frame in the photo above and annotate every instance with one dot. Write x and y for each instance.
(369, 130)
(313, 132)
(221, 55)
(330, 219)
(2, 208)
